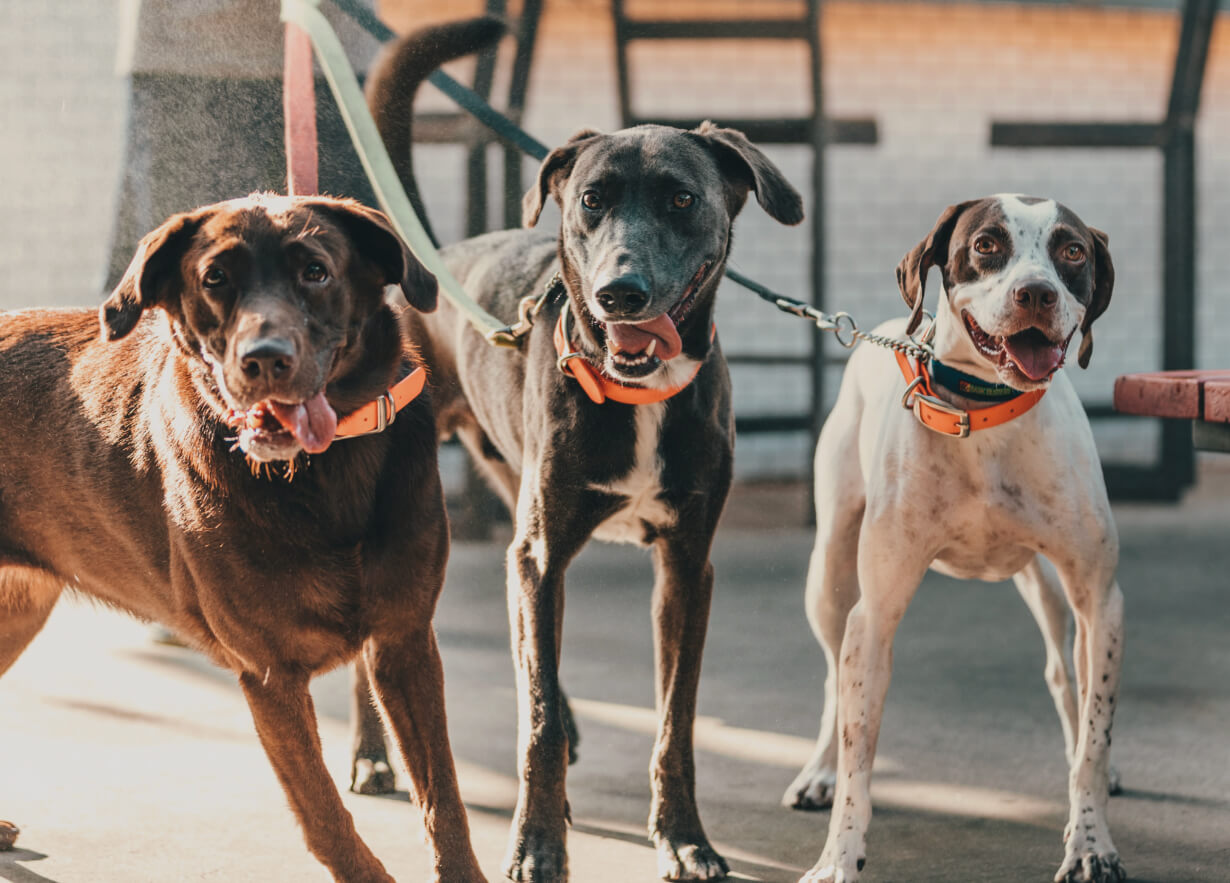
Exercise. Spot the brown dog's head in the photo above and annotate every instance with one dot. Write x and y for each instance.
(281, 298)
(646, 223)
(1021, 276)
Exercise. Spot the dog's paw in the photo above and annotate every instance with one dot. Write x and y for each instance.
(8, 834)
(1114, 780)
(368, 776)
(826, 872)
(1090, 867)
(678, 860)
(536, 858)
(811, 789)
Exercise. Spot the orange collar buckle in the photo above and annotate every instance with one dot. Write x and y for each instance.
(377, 415)
(939, 416)
(597, 385)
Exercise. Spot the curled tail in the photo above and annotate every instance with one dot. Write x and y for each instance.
(395, 77)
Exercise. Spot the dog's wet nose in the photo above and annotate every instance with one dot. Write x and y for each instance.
(624, 295)
(267, 358)
(1035, 294)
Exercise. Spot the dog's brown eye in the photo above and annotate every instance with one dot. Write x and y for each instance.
(215, 277)
(1074, 253)
(683, 199)
(315, 272)
(591, 200)
(985, 245)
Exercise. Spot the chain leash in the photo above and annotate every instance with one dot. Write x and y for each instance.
(846, 331)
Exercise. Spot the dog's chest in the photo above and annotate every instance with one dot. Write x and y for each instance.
(644, 513)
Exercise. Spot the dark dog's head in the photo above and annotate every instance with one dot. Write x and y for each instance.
(645, 233)
(280, 297)
(1021, 275)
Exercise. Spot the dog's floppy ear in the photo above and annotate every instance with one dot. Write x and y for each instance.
(557, 164)
(376, 240)
(746, 165)
(1103, 284)
(146, 282)
(931, 252)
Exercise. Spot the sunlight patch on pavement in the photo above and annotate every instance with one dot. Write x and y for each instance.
(714, 736)
(791, 752)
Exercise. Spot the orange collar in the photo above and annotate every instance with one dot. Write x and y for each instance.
(597, 385)
(376, 415)
(935, 413)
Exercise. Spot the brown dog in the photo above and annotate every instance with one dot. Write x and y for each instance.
(162, 467)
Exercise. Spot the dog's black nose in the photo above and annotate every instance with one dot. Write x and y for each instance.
(1035, 294)
(624, 295)
(267, 358)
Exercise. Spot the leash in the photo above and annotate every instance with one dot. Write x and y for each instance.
(302, 178)
(306, 15)
(913, 354)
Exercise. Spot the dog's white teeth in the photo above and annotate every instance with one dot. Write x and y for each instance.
(653, 345)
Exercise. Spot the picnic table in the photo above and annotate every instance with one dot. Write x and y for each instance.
(1203, 397)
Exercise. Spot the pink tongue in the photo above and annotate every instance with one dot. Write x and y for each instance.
(634, 339)
(313, 423)
(1037, 361)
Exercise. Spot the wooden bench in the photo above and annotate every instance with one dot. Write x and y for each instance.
(1202, 397)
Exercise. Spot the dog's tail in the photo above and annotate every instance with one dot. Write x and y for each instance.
(396, 75)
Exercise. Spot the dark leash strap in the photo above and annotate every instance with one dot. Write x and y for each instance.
(469, 100)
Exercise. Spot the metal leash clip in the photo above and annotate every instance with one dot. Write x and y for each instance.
(528, 309)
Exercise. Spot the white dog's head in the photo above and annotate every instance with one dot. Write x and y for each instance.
(1021, 274)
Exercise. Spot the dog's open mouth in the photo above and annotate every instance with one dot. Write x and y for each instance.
(639, 347)
(1030, 352)
(272, 425)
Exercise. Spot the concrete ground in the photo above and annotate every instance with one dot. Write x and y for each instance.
(126, 761)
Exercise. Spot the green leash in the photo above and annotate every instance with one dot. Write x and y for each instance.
(306, 15)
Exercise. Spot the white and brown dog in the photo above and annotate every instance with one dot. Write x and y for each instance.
(1014, 490)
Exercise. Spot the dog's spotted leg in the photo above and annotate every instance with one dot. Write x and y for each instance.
(1089, 853)
(863, 674)
(286, 723)
(682, 591)
(832, 589)
(1042, 590)
(403, 662)
(370, 772)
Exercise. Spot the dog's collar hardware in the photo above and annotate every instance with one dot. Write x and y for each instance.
(376, 416)
(528, 309)
(969, 386)
(597, 385)
(936, 414)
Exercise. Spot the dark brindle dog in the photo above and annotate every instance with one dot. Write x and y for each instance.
(647, 216)
(122, 479)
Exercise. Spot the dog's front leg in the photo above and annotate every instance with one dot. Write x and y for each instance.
(888, 582)
(286, 723)
(540, 551)
(403, 663)
(682, 591)
(1089, 853)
